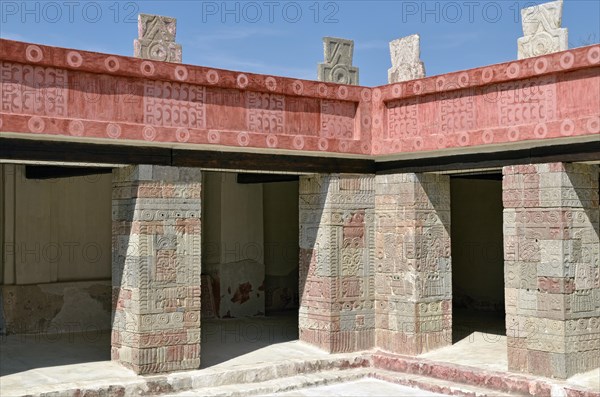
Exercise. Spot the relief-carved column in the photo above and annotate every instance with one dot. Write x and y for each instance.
(551, 254)
(156, 268)
(413, 278)
(336, 262)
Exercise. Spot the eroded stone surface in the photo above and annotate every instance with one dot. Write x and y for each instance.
(413, 280)
(156, 39)
(156, 268)
(542, 32)
(406, 59)
(56, 307)
(337, 67)
(552, 262)
(336, 262)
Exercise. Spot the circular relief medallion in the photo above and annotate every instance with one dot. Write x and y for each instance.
(36, 124)
(593, 55)
(567, 127)
(242, 81)
(567, 60)
(76, 128)
(243, 139)
(271, 83)
(513, 70)
(149, 133)
(323, 144)
(540, 65)
(214, 136)
(113, 130)
(181, 73)
(34, 53)
(487, 75)
(147, 68)
(74, 59)
(297, 87)
(212, 76)
(540, 131)
(298, 142)
(182, 135)
(111, 63)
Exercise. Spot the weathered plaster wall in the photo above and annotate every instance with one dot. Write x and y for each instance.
(55, 233)
(280, 202)
(493, 105)
(250, 249)
(477, 260)
(234, 244)
(62, 229)
(57, 307)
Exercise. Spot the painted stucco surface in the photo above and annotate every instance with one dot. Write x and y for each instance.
(72, 94)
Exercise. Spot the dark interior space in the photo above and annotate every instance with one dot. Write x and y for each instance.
(477, 255)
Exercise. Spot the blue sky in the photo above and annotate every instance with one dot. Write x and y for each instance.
(285, 37)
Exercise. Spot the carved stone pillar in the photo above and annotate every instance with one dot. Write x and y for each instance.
(156, 39)
(336, 262)
(337, 67)
(406, 59)
(542, 32)
(551, 254)
(413, 278)
(156, 268)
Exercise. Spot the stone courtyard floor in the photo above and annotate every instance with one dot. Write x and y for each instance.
(262, 356)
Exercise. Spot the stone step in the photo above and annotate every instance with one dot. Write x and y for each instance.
(278, 385)
(297, 382)
(436, 385)
(472, 376)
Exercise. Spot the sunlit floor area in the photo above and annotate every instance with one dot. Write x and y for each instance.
(35, 364)
(479, 340)
(30, 363)
(243, 341)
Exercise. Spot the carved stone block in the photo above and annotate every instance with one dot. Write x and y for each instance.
(156, 268)
(156, 39)
(542, 32)
(337, 67)
(551, 267)
(406, 59)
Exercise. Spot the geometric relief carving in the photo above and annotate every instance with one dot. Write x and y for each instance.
(156, 257)
(542, 33)
(174, 104)
(351, 288)
(583, 301)
(433, 284)
(457, 111)
(33, 90)
(166, 265)
(337, 119)
(337, 67)
(337, 239)
(265, 112)
(402, 119)
(527, 101)
(157, 39)
(546, 273)
(415, 243)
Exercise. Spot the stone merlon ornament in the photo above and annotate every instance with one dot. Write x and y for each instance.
(156, 39)
(406, 59)
(337, 67)
(542, 32)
